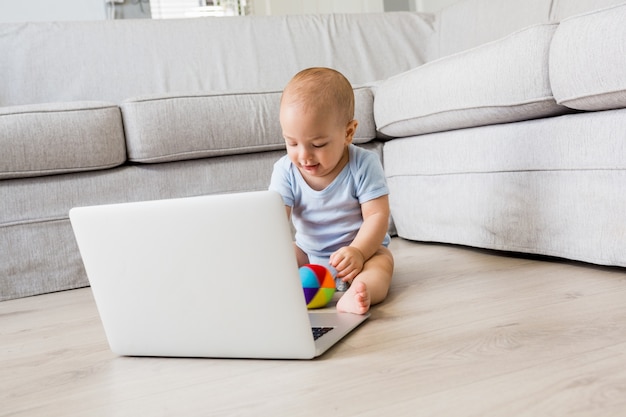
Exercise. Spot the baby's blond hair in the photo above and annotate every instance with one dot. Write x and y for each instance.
(321, 88)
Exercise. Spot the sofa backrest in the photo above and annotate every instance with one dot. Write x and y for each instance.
(562, 9)
(114, 60)
(470, 23)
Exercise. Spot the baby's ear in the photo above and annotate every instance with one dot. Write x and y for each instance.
(351, 130)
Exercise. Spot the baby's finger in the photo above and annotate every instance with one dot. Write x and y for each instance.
(350, 276)
(335, 260)
(341, 272)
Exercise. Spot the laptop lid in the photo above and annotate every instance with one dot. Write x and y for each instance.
(209, 276)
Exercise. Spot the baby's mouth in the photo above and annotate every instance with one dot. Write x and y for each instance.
(310, 168)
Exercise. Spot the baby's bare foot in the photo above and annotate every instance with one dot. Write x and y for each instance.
(356, 300)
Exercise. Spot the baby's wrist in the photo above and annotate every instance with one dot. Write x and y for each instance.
(359, 251)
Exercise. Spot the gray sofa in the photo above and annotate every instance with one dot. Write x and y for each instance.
(500, 122)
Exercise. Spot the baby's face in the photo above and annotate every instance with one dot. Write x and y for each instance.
(316, 143)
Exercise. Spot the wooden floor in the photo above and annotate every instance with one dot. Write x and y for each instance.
(463, 333)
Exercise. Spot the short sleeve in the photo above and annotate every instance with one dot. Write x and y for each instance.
(282, 180)
(369, 176)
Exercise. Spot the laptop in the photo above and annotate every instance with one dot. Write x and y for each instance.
(211, 276)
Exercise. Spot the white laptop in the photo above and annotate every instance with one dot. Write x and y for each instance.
(211, 276)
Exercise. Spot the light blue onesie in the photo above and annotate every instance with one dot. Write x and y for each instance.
(329, 219)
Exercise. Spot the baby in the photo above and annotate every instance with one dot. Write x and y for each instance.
(335, 192)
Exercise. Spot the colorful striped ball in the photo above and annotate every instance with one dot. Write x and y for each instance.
(318, 284)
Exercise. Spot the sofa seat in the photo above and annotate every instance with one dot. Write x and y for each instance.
(38, 237)
(506, 80)
(528, 189)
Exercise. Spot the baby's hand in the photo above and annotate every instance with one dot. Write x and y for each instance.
(348, 261)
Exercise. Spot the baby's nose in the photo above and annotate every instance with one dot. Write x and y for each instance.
(305, 155)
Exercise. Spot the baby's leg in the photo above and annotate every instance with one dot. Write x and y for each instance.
(370, 286)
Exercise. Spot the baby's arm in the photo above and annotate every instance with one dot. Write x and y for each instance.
(349, 260)
(301, 256)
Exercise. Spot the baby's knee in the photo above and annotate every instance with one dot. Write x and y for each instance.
(384, 258)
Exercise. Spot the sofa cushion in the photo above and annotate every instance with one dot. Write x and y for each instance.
(57, 138)
(548, 144)
(501, 81)
(170, 128)
(588, 60)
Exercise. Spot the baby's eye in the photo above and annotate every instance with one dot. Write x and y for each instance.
(319, 145)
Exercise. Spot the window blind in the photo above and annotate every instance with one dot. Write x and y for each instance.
(176, 9)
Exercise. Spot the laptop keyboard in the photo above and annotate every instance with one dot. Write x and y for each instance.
(320, 331)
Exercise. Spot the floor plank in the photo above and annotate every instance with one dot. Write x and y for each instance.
(464, 332)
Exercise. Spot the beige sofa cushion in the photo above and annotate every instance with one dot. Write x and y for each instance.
(501, 81)
(57, 138)
(171, 128)
(588, 60)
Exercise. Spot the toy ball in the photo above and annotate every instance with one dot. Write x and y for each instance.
(318, 284)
